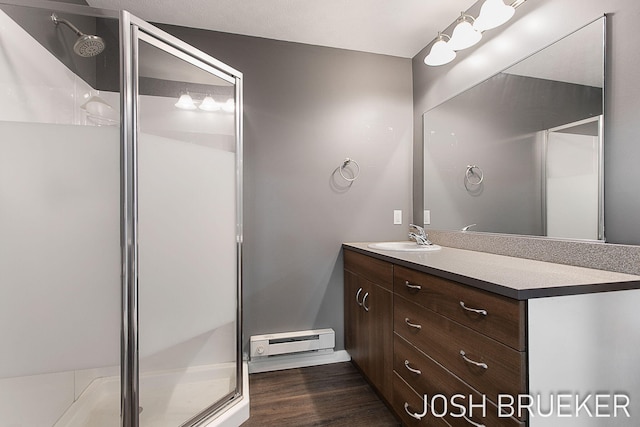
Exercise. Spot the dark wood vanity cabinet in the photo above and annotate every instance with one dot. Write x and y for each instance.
(368, 311)
(433, 336)
(451, 339)
(461, 327)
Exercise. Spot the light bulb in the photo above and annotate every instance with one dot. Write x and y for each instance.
(209, 104)
(440, 53)
(185, 102)
(493, 13)
(229, 106)
(464, 35)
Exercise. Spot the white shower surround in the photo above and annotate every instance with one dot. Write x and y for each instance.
(80, 338)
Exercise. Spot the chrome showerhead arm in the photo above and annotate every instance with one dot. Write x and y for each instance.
(57, 21)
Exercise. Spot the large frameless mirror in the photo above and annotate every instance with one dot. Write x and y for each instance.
(521, 153)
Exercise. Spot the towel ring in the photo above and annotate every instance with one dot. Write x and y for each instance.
(469, 173)
(346, 163)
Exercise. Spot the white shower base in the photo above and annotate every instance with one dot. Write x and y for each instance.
(167, 399)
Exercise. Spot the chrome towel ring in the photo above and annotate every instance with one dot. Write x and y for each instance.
(470, 173)
(346, 163)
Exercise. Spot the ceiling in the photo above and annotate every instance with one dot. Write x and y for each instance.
(389, 27)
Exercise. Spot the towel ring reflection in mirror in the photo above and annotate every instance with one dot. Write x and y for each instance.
(346, 163)
(474, 171)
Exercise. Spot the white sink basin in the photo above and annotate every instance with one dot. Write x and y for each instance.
(403, 247)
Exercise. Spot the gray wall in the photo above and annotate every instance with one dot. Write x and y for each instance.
(522, 36)
(307, 108)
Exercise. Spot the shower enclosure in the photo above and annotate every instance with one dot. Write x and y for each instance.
(120, 224)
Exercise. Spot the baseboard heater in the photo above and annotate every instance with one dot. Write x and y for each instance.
(313, 340)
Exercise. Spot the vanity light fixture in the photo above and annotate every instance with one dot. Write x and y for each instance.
(468, 31)
(204, 102)
(493, 13)
(185, 102)
(465, 34)
(441, 53)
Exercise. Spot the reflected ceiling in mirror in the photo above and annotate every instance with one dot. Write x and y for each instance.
(521, 153)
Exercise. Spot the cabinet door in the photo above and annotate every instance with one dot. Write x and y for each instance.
(368, 320)
(354, 319)
(378, 307)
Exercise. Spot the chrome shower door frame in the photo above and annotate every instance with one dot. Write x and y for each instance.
(133, 30)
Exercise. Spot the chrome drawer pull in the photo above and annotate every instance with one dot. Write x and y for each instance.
(472, 423)
(414, 370)
(480, 364)
(415, 415)
(358, 297)
(410, 286)
(364, 300)
(475, 310)
(413, 325)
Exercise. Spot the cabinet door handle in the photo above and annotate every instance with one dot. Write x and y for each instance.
(473, 362)
(413, 325)
(474, 310)
(414, 414)
(358, 297)
(472, 423)
(410, 286)
(414, 370)
(364, 299)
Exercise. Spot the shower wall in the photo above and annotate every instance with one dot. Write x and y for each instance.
(59, 222)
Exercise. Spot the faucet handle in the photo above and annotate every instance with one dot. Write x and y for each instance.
(420, 240)
(466, 228)
(419, 229)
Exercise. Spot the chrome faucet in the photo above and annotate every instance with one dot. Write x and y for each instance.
(466, 228)
(418, 234)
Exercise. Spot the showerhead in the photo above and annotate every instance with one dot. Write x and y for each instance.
(86, 45)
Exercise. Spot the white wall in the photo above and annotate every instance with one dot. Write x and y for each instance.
(59, 228)
(60, 252)
(581, 345)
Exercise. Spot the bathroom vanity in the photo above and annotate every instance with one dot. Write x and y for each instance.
(493, 340)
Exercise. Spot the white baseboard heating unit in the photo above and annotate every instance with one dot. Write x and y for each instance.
(318, 340)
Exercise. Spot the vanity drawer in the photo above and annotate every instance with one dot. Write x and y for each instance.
(427, 377)
(457, 347)
(406, 400)
(372, 269)
(496, 316)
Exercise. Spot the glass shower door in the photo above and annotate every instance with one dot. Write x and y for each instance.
(188, 228)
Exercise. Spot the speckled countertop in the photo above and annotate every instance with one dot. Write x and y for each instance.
(509, 276)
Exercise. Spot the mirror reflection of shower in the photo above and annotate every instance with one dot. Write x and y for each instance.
(87, 45)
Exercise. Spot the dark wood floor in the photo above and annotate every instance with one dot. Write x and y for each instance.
(327, 395)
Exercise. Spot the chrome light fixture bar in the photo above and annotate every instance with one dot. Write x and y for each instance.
(468, 30)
